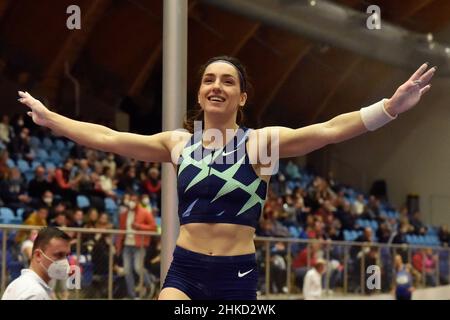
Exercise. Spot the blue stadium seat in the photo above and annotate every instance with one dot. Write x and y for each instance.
(374, 225)
(294, 232)
(346, 235)
(41, 155)
(19, 212)
(110, 206)
(83, 201)
(7, 215)
(23, 166)
(10, 163)
(35, 143)
(60, 145)
(35, 164)
(56, 157)
(49, 165)
(47, 143)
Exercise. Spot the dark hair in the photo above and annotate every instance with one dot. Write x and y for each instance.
(45, 235)
(197, 113)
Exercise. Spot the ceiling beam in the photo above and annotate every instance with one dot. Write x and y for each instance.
(292, 64)
(344, 28)
(140, 80)
(247, 36)
(399, 13)
(323, 106)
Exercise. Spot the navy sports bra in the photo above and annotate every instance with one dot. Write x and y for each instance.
(219, 185)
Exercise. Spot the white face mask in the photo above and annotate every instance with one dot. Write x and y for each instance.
(131, 205)
(146, 201)
(58, 269)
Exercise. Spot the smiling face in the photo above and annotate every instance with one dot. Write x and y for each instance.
(220, 89)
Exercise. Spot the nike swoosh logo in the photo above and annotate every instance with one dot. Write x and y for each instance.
(227, 153)
(240, 275)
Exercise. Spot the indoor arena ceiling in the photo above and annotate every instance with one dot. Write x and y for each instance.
(297, 79)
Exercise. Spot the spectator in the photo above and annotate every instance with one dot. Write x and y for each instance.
(37, 218)
(383, 233)
(128, 181)
(278, 268)
(312, 285)
(289, 214)
(88, 239)
(47, 200)
(65, 183)
(103, 221)
(20, 146)
(444, 236)
(358, 205)
(419, 227)
(110, 162)
(27, 246)
(152, 186)
(132, 247)
(18, 124)
(6, 130)
(59, 220)
(424, 261)
(346, 216)
(403, 286)
(77, 220)
(372, 211)
(366, 237)
(39, 184)
(13, 191)
(107, 182)
(146, 203)
(92, 218)
(303, 261)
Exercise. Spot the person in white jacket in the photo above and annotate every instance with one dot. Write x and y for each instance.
(312, 284)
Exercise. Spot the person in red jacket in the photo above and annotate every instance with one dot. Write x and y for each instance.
(132, 247)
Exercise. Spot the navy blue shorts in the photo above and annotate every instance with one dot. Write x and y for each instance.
(204, 277)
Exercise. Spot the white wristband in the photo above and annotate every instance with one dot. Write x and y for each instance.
(375, 116)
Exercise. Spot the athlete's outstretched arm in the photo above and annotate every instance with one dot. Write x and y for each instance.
(297, 142)
(154, 148)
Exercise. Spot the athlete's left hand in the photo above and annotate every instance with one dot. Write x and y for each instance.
(409, 93)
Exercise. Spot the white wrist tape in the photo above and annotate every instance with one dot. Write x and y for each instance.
(375, 116)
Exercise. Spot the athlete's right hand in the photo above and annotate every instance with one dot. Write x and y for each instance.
(39, 113)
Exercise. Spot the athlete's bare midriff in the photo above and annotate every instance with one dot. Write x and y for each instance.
(217, 239)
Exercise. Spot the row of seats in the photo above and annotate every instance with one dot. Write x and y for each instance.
(51, 162)
(368, 223)
(427, 240)
(7, 216)
(48, 144)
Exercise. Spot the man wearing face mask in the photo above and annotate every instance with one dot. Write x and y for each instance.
(48, 261)
(132, 247)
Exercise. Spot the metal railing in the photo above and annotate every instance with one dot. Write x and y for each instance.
(102, 274)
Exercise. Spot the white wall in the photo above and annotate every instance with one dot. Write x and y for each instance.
(412, 154)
